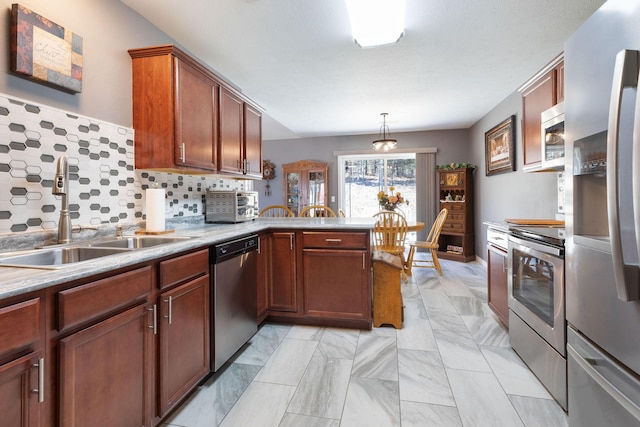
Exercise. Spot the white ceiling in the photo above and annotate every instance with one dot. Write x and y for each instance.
(457, 60)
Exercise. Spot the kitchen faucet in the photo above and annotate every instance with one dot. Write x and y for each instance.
(61, 188)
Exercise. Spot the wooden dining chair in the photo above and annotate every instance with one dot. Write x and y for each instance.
(276, 211)
(317, 211)
(389, 234)
(431, 244)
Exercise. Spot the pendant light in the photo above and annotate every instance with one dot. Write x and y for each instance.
(384, 141)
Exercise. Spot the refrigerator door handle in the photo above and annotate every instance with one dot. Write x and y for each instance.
(625, 75)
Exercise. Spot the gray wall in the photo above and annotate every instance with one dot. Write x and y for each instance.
(510, 194)
(452, 145)
(109, 29)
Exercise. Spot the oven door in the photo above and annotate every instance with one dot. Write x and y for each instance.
(536, 289)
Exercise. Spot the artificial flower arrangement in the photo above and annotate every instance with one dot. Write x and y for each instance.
(390, 201)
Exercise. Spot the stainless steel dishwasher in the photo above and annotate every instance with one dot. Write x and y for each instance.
(234, 296)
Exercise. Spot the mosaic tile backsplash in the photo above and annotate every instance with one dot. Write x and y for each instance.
(105, 188)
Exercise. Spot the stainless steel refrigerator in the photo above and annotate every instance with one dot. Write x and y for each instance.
(602, 125)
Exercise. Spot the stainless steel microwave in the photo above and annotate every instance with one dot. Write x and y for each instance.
(231, 206)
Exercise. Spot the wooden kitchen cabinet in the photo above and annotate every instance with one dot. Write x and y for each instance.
(544, 91)
(105, 372)
(106, 361)
(264, 274)
(174, 111)
(497, 276)
(240, 146)
(21, 364)
(19, 405)
(282, 283)
(184, 343)
(252, 141)
(305, 184)
(457, 239)
(336, 281)
(187, 119)
(231, 156)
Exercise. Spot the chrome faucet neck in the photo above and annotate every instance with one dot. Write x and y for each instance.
(60, 188)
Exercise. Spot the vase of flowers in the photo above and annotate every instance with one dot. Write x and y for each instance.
(390, 201)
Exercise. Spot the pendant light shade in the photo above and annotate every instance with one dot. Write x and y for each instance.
(384, 141)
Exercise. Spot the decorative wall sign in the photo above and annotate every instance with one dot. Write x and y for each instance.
(44, 51)
(499, 147)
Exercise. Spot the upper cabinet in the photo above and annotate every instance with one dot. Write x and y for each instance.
(542, 92)
(186, 119)
(240, 136)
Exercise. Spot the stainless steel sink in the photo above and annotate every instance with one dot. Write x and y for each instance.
(56, 257)
(137, 242)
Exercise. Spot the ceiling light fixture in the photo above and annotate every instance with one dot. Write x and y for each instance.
(384, 141)
(376, 22)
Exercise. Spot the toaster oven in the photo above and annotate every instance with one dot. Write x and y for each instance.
(231, 206)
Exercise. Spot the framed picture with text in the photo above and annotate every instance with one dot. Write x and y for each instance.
(44, 51)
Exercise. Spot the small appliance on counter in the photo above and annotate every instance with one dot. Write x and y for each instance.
(231, 206)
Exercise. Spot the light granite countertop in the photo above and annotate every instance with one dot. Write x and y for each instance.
(16, 281)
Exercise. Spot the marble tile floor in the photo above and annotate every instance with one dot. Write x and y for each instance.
(450, 365)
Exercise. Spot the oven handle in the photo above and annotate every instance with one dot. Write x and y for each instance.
(625, 74)
(537, 246)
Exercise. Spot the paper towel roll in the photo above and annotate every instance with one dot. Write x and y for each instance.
(155, 209)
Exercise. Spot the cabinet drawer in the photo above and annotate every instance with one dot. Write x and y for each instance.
(19, 325)
(96, 299)
(455, 217)
(334, 240)
(183, 268)
(453, 226)
(453, 207)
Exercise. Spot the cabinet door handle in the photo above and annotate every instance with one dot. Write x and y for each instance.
(259, 245)
(40, 390)
(333, 240)
(154, 327)
(291, 242)
(183, 155)
(170, 316)
(363, 260)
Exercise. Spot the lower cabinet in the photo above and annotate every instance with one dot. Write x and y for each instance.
(105, 371)
(320, 277)
(264, 273)
(22, 367)
(132, 345)
(19, 391)
(184, 340)
(497, 277)
(282, 280)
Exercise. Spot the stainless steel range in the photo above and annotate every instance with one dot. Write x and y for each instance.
(537, 324)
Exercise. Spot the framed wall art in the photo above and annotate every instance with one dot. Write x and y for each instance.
(44, 51)
(499, 147)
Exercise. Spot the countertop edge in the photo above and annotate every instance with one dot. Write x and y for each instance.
(18, 281)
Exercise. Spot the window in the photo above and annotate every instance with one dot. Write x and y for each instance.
(363, 176)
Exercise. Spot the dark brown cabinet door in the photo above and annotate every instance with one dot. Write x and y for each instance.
(230, 147)
(184, 340)
(195, 110)
(19, 404)
(535, 100)
(252, 141)
(336, 284)
(498, 295)
(264, 274)
(282, 289)
(105, 372)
